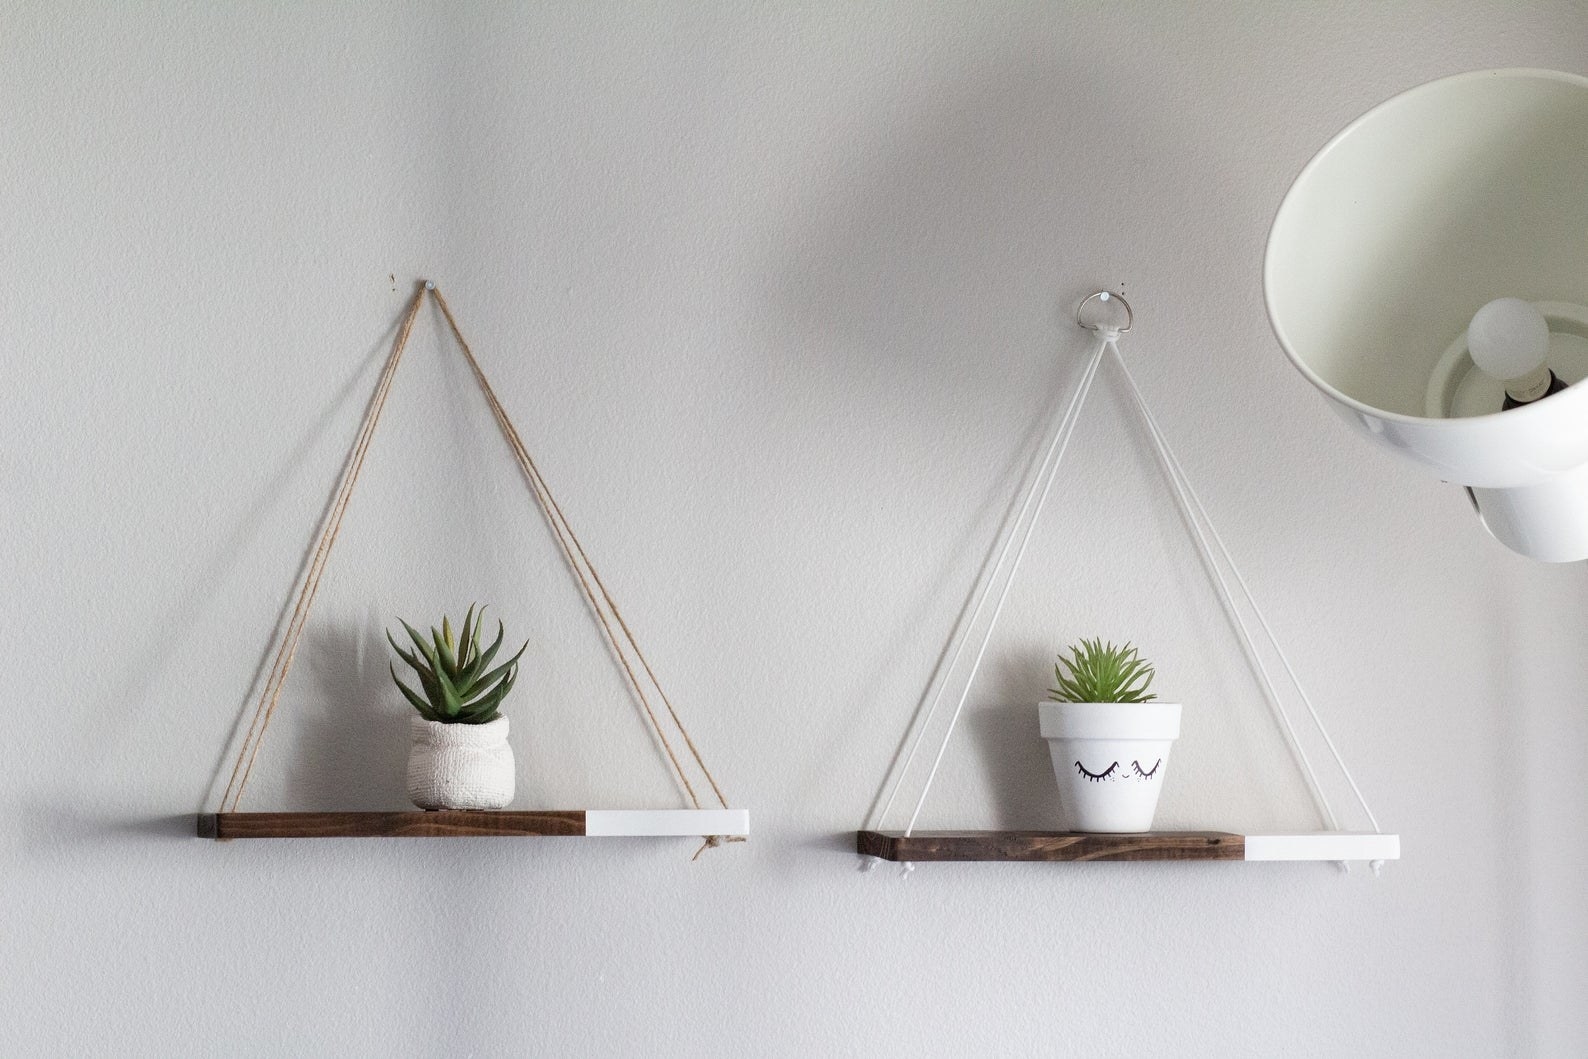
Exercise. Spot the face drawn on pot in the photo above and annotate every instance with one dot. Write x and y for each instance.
(1137, 773)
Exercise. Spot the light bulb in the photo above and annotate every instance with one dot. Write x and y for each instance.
(1508, 338)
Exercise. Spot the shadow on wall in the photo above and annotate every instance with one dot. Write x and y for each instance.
(1005, 739)
(352, 752)
(910, 267)
(920, 252)
(201, 586)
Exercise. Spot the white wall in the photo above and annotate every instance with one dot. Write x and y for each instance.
(778, 295)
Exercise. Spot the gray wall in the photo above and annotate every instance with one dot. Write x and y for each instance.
(778, 296)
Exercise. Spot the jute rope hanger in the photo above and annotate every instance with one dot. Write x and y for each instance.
(614, 627)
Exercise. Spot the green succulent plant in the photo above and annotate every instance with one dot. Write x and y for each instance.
(458, 686)
(1100, 672)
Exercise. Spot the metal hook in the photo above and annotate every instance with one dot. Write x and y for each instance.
(1103, 296)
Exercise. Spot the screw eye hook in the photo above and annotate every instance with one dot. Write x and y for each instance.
(1104, 296)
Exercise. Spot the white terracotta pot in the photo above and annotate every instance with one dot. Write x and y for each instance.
(460, 766)
(1110, 759)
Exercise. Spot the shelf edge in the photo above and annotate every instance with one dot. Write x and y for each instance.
(1324, 845)
(661, 823)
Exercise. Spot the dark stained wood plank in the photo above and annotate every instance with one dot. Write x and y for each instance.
(438, 824)
(1050, 845)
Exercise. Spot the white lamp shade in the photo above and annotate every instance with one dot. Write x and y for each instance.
(1403, 226)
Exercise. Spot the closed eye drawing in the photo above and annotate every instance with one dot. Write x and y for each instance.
(1097, 777)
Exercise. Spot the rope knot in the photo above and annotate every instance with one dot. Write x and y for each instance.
(713, 841)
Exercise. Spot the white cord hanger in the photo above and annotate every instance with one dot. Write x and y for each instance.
(1012, 549)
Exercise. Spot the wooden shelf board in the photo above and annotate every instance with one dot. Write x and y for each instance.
(498, 823)
(1152, 845)
(1049, 845)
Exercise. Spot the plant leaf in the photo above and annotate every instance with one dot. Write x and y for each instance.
(451, 701)
(493, 698)
(471, 673)
(419, 704)
(468, 648)
(449, 661)
(438, 701)
(406, 656)
(494, 674)
(425, 649)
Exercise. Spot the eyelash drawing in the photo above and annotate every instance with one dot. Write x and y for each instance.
(1147, 775)
(1097, 777)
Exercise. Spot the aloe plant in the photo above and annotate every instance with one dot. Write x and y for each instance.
(1101, 672)
(458, 686)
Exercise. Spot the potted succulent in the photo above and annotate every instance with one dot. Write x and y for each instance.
(460, 757)
(1108, 738)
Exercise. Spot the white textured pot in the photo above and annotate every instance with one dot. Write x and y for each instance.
(1110, 759)
(460, 766)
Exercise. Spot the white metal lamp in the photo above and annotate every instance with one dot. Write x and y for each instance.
(1422, 212)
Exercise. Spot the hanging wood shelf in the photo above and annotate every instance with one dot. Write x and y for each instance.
(710, 824)
(1151, 845)
(910, 845)
(506, 823)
